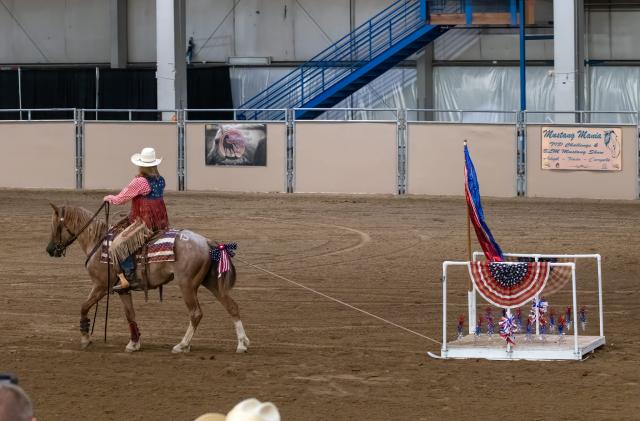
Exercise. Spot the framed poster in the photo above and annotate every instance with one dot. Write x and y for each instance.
(235, 144)
(581, 148)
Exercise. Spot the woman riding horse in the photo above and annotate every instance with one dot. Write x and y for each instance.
(147, 207)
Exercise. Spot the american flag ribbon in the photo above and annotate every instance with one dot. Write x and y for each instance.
(222, 254)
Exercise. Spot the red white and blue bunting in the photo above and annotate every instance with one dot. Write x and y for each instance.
(508, 285)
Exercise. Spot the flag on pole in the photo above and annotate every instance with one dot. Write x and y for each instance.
(491, 249)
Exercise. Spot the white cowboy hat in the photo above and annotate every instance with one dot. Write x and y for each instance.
(146, 158)
(211, 417)
(254, 410)
(247, 410)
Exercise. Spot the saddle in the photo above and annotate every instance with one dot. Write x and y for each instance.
(157, 248)
(146, 247)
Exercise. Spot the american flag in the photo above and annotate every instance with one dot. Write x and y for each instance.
(490, 247)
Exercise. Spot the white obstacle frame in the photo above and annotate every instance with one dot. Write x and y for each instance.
(553, 348)
(536, 256)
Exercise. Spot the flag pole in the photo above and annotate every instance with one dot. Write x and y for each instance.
(471, 294)
(468, 228)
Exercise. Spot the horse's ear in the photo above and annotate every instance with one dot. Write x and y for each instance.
(55, 208)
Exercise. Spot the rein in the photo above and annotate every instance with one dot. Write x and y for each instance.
(60, 246)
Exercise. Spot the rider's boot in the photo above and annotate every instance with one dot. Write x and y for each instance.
(127, 281)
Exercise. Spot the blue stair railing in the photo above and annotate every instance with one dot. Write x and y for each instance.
(398, 29)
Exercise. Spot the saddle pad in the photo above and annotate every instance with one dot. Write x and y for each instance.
(161, 249)
(509, 285)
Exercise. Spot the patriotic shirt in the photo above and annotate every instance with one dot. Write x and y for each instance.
(139, 186)
(147, 203)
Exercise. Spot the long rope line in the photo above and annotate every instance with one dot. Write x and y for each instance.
(337, 300)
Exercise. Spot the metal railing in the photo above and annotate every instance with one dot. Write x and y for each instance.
(37, 114)
(342, 58)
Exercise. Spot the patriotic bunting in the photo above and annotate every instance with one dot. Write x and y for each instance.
(508, 285)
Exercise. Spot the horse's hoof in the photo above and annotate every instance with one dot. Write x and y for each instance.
(243, 345)
(181, 349)
(85, 341)
(132, 346)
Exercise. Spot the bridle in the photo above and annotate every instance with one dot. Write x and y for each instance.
(60, 247)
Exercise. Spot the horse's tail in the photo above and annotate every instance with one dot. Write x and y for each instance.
(222, 282)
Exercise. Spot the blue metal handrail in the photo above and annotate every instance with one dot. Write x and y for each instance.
(342, 58)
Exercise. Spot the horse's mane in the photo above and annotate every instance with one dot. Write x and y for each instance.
(77, 216)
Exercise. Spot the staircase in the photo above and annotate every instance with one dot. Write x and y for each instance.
(344, 67)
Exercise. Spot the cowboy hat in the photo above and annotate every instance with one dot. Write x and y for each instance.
(146, 158)
(254, 410)
(247, 410)
(211, 417)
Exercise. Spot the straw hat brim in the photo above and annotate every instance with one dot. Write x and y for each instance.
(136, 160)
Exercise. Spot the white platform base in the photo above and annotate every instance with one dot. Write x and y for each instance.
(553, 347)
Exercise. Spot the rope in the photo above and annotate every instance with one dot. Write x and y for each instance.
(337, 301)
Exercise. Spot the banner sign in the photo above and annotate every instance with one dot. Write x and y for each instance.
(235, 144)
(582, 148)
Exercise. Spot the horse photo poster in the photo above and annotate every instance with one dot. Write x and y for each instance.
(235, 144)
(581, 148)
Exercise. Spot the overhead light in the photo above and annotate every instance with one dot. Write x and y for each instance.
(249, 61)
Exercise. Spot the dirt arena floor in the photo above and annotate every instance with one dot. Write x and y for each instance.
(314, 358)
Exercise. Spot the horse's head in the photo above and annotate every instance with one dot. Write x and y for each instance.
(61, 236)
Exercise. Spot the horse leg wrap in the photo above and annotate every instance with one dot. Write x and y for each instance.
(84, 325)
(135, 332)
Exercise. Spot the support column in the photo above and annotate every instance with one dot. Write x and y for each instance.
(565, 57)
(424, 83)
(119, 43)
(580, 56)
(170, 55)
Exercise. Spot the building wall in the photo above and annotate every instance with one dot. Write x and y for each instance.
(329, 157)
(37, 155)
(78, 31)
(436, 158)
(109, 146)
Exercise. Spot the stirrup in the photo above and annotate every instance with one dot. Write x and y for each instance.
(131, 279)
(119, 289)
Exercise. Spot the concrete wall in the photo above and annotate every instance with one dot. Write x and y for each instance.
(37, 155)
(109, 146)
(271, 178)
(349, 157)
(583, 184)
(436, 158)
(78, 31)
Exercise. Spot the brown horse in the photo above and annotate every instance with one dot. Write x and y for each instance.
(193, 267)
